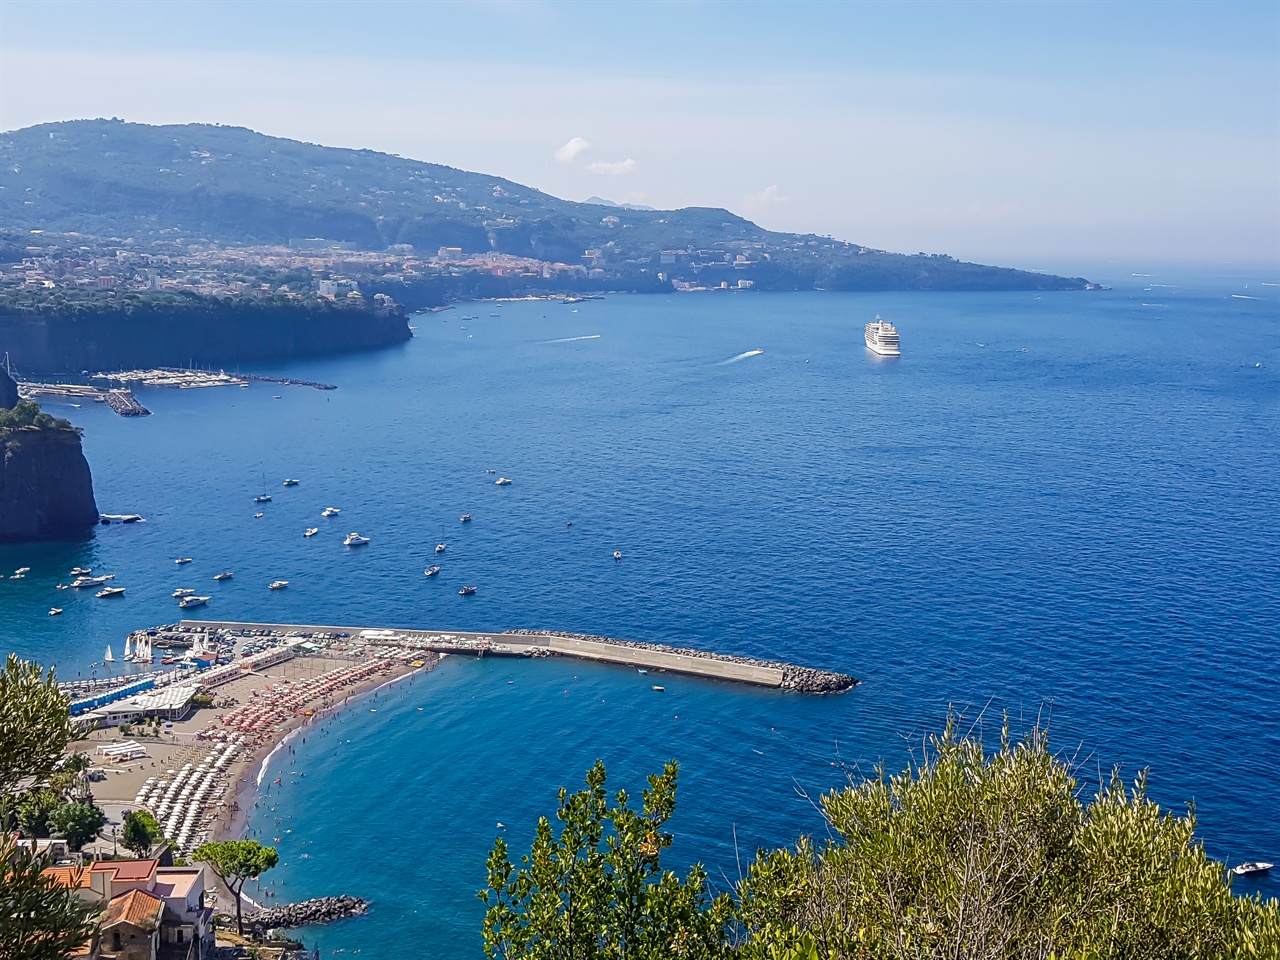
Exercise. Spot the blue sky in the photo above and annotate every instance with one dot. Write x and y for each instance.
(1026, 133)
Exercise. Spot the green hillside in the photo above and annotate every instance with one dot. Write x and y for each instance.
(197, 182)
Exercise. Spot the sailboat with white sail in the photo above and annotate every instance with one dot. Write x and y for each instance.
(108, 658)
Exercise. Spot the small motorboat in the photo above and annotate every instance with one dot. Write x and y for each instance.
(617, 554)
(465, 518)
(257, 516)
(440, 547)
(182, 592)
(354, 540)
(28, 569)
(61, 586)
(18, 576)
(81, 571)
(466, 591)
(311, 531)
(330, 512)
(290, 482)
(182, 560)
(277, 584)
(110, 592)
(224, 575)
(430, 571)
(502, 482)
(1252, 868)
(491, 471)
(658, 688)
(264, 498)
(186, 602)
(54, 611)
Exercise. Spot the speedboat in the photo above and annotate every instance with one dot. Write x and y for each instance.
(18, 576)
(264, 498)
(465, 518)
(330, 512)
(60, 586)
(355, 540)
(257, 516)
(186, 602)
(110, 592)
(466, 591)
(440, 547)
(182, 592)
(430, 571)
(182, 560)
(54, 611)
(491, 471)
(658, 688)
(289, 482)
(81, 571)
(311, 531)
(224, 575)
(23, 570)
(277, 584)
(1251, 868)
(502, 482)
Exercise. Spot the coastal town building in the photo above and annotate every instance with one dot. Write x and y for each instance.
(151, 912)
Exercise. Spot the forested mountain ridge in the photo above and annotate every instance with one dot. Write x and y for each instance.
(229, 185)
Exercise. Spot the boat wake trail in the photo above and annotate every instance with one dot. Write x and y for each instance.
(742, 356)
(592, 336)
(1241, 296)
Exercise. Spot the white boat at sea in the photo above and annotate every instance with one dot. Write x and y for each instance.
(54, 611)
(79, 582)
(311, 531)
(277, 584)
(882, 338)
(440, 547)
(110, 592)
(502, 482)
(355, 540)
(107, 657)
(330, 512)
(182, 560)
(224, 575)
(290, 482)
(193, 601)
(183, 592)
(430, 571)
(1252, 868)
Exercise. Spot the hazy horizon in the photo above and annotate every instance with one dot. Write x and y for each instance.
(1033, 135)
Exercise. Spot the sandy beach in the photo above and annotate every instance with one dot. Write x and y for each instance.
(254, 716)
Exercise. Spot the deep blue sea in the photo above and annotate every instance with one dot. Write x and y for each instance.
(1057, 505)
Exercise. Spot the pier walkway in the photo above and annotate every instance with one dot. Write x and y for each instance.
(545, 644)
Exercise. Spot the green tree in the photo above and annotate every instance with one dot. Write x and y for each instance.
(235, 861)
(77, 822)
(35, 727)
(77, 762)
(141, 832)
(597, 890)
(969, 855)
(39, 919)
(33, 809)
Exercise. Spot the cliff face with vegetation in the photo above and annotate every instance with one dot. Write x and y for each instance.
(58, 334)
(46, 491)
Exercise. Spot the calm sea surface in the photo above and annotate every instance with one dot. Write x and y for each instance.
(1055, 504)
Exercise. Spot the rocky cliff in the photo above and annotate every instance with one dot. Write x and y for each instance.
(46, 492)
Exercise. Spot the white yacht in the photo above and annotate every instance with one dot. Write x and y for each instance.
(882, 338)
(355, 540)
(110, 592)
(182, 560)
(330, 512)
(277, 584)
(54, 611)
(92, 581)
(193, 601)
(1252, 868)
(183, 592)
(290, 482)
(502, 482)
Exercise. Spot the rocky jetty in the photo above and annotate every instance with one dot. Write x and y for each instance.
(797, 678)
(306, 913)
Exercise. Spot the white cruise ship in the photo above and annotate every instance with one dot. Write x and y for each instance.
(882, 338)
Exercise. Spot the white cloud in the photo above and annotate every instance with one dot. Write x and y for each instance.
(571, 149)
(614, 168)
(768, 197)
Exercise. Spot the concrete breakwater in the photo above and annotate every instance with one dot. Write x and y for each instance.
(407, 644)
(306, 913)
(790, 676)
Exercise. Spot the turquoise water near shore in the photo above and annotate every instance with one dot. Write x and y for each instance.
(1083, 529)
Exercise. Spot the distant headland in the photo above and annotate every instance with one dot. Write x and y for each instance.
(225, 211)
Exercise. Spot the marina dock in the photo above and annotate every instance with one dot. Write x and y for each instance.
(531, 643)
(122, 401)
